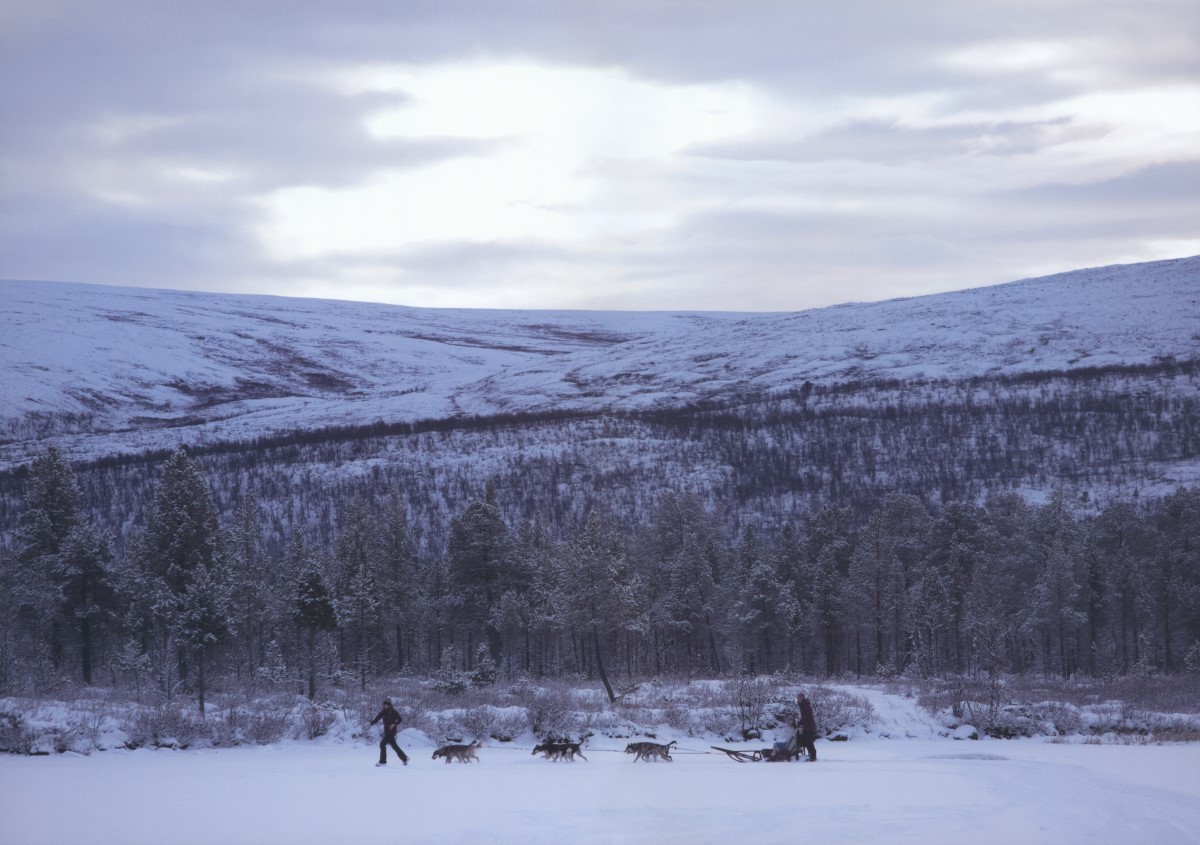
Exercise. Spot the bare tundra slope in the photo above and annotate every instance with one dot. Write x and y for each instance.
(97, 369)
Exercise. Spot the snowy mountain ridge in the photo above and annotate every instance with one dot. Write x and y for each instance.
(99, 369)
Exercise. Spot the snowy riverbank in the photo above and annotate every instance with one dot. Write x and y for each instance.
(898, 777)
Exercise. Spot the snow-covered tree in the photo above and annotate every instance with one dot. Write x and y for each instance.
(254, 591)
(50, 509)
(829, 546)
(1175, 574)
(763, 606)
(182, 576)
(86, 582)
(681, 564)
(312, 606)
(402, 590)
(49, 514)
(1120, 549)
(481, 569)
(1055, 611)
(599, 589)
(362, 586)
(959, 543)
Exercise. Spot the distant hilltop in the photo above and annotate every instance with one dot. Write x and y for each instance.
(95, 369)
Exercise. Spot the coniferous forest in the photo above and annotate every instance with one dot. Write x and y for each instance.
(828, 533)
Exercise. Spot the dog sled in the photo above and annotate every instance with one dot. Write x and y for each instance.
(780, 752)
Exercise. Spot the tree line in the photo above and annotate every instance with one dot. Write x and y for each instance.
(1102, 436)
(190, 595)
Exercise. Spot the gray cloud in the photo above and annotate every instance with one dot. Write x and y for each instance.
(1172, 186)
(108, 107)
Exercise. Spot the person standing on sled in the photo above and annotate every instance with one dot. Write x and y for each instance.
(391, 724)
(808, 726)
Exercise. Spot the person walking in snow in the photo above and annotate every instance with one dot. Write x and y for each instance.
(391, 724)
(807, 727)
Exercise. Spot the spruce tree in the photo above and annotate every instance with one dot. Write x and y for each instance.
(600, 589)
(86, 584)
(360, 583)
(49, 515)
(184, 573)
(312, 604)
(481, 569)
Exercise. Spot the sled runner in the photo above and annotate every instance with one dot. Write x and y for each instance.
(781, 752)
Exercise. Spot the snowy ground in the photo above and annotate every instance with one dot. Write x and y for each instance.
(924, 791)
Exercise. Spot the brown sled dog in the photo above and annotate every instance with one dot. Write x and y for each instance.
(650, 750)
(461, 753)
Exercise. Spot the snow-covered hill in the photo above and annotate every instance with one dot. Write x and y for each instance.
(99, 369)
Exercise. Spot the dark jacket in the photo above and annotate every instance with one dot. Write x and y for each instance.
(391, 720)
(808, 724)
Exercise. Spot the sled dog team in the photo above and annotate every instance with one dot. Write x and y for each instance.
(557, 751)
(565, 749)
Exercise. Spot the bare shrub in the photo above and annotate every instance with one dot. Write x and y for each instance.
(717, 720)
(938, 696)
(486, 720)
(268, 726)
(508, 724)
(836, 710)
(13, 734)
(677, 714)
(316, 720)
(164, 726)
(751, 698)
(93, 720)
(358, 710)
(478, 722)
(447, 728)
(548, 711)
(1066, 719)
(1177, 729)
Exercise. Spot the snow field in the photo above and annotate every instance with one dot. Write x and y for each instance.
(925, 791)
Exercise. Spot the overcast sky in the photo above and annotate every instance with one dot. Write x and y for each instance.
(616, 154)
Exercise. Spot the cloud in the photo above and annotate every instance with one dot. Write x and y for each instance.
(632, 153)
(884, 141)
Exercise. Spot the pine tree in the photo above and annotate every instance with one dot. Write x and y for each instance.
(360, 583)
(86, 583)
(789, 567)
(480, 570)
(401, 589)
(1120, 549)
(1175, 575)
(253, 588)
(313, 608)
(202, 617)
(51, 507)
(682, 566)
(49, 515)
(183, 574)
(958, 545)
(1055, 613)
(599, 589)
(829, 548)
(763, 606)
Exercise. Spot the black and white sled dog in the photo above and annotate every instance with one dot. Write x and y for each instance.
(564, 750)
